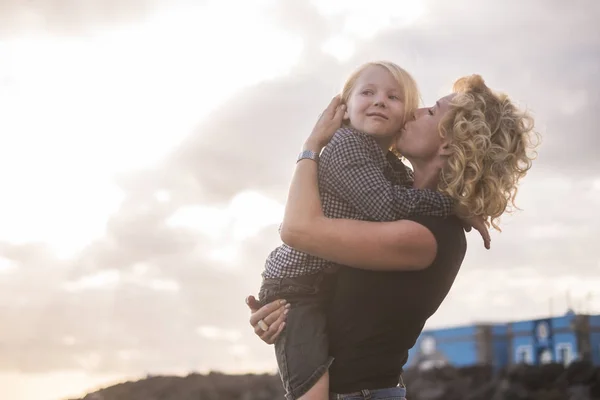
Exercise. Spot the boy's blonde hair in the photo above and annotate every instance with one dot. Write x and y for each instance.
(404, 79)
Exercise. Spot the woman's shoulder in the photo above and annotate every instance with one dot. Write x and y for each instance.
(437, 223)
(447, 231)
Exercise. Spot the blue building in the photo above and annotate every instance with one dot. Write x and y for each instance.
(559, 339)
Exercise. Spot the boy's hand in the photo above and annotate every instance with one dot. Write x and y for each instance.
(480, 226)
(470, 221)
(329, 122)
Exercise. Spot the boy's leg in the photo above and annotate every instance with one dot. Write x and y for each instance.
(320, 391)
(302, 349)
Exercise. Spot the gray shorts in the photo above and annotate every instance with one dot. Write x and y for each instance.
(302, 349)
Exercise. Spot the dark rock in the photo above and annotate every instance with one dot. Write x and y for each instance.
(579, 381)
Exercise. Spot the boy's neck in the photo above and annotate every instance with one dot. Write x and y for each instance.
(384, 143)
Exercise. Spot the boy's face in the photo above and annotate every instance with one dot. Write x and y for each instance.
(376, 103)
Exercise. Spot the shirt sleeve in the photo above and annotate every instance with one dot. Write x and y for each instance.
(353, 175)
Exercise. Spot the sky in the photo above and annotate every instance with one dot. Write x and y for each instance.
(147, 148)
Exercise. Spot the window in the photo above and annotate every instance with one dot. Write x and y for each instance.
(524, 354)
(564, 353)
(546, 356)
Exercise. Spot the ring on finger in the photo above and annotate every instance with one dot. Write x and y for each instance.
(263, 325)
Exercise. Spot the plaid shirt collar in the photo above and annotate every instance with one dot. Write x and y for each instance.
(393, 168)
(382, 161)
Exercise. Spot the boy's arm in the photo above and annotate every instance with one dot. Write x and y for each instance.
(353, 175)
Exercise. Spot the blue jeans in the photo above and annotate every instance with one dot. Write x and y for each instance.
(395, 393)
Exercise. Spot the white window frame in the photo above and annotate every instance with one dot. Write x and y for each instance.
(569, 350)
(527, 349)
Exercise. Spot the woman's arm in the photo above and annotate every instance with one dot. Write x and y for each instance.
(399, 245)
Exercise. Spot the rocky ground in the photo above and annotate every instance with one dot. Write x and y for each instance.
(580, 381)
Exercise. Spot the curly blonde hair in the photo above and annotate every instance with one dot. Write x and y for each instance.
(404, 79)
(491, 150)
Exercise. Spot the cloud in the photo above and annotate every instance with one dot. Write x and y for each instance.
(69, 16)
(163, 289)
(145, 289)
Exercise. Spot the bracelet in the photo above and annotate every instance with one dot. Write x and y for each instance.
(308, 154)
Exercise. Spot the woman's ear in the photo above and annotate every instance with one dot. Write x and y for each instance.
(445, 149)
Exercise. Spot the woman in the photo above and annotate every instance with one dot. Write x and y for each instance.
(472, 146)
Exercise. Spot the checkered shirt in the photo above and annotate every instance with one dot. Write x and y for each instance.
(357, 181)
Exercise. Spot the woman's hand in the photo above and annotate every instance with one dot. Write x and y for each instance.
(268, 321)
(329, 122)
